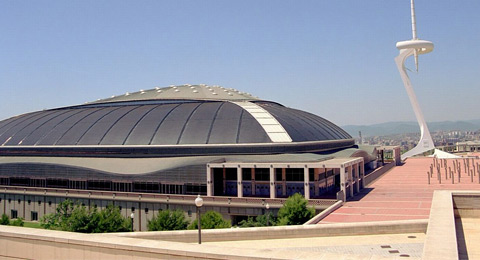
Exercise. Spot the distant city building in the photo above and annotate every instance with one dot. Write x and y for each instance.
(469, 146)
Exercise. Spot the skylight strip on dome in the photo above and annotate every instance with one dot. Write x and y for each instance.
(272, 127)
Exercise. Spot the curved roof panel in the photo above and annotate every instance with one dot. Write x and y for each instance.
(303, 126)
(200, 122)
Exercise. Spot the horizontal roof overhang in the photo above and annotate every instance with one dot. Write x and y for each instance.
(175, 150)
(132, 166)
(327, 163)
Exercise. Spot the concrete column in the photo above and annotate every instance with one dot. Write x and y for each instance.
(362, 174)
(239, 182)
(351, 180)
(342, 184)
(224, 181)
(253, 182)
(209, 182)
(397, 156)
(306, 183)
(326, 178)
(316, 178)
(284, 182)
(272, 183)
(358, 177)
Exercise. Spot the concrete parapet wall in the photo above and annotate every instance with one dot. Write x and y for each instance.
(441, 239)
(467, 213)
(27, 243)
(317, 218)
(39, 244)
(466, 204)
(337, 229)
(373, 176)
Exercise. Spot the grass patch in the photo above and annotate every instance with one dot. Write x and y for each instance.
(32, 224)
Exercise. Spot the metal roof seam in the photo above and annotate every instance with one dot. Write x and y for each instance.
(116, 121)
(213, 122)
(161, 122)
(53, 128)
(135, 125)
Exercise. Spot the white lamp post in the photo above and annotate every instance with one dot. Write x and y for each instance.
(132, 216)
(199, 204)
(268, 215)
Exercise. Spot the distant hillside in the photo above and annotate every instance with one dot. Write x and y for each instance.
(410, 127)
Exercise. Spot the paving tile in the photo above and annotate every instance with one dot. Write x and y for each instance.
(402, 193)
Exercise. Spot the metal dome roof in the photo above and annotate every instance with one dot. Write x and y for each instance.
(186, 91)
(174, 120)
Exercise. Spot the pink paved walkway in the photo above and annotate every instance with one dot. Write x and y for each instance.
(402, 193)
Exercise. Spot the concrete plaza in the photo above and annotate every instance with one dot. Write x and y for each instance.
(402, 193)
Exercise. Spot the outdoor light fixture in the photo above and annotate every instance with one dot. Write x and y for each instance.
(199, 204)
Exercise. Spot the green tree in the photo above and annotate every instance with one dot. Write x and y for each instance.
(62, 214)
(211, 220)
(295, 211)
(64, 210)
(5, 220)
(111, 220)
(168, 220)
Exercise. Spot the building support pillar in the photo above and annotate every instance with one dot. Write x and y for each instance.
(209, 181)
(272, 183)
(253, 182)
(352, 180)
(362, 174)
(326, 178)
(307, 183)
(224, 181)
(284, 182)
(357, 178)
(239, 182)
(342, 195)
(350, 177)
(397, 156)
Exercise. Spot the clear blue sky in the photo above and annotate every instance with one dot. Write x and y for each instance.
(331, 58)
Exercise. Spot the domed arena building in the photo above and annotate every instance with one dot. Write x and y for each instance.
(179, 141)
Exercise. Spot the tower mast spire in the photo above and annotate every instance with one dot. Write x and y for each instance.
(414, 20)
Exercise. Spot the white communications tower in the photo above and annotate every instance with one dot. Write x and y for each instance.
(408, 48)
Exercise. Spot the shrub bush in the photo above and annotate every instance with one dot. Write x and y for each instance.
(168, 220)
(5, 220)
(211, 220)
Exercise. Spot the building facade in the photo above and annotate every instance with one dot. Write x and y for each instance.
(178, 141)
